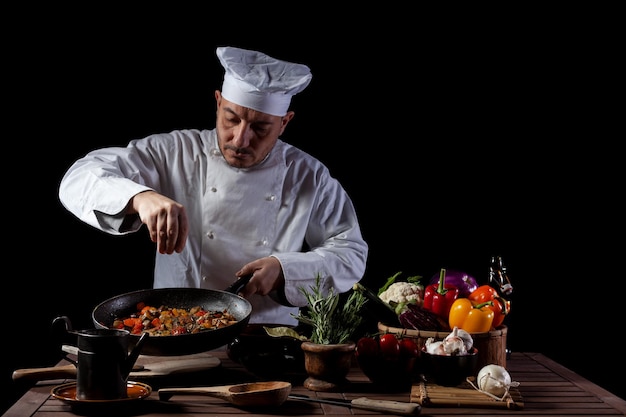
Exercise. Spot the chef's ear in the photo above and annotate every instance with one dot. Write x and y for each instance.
(218, 99)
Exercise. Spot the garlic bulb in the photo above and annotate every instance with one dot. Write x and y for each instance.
(459, 342)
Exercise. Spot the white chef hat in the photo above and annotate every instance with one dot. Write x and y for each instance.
(260, 82)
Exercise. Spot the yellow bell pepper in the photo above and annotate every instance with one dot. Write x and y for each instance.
(471, 316)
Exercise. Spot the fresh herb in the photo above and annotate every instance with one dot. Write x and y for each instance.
(331, 323)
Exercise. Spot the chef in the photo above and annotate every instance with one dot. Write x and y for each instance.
(232, 201)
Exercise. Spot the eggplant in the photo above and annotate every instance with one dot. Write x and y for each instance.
(418, 318)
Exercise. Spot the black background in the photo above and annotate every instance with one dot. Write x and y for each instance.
(459, 134)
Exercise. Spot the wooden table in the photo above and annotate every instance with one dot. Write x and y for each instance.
(546, 387)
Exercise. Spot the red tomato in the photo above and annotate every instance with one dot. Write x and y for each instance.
(389, 346)
(367, 347)
(408, 348)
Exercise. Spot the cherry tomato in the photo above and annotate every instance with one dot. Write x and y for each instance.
(389, 346)
(408, 348)
(390, 365)
(367, 347)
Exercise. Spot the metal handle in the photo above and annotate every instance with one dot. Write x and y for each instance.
(237, 286)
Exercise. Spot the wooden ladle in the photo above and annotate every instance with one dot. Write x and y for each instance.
(252, 394)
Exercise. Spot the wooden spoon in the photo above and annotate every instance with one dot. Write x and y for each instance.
(251, 394)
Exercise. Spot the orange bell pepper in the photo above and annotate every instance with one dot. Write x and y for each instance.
(471, 316)
(500, 306)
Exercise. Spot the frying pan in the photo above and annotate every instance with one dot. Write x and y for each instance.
(184, 344)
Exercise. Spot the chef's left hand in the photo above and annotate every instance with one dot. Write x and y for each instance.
(267, 275)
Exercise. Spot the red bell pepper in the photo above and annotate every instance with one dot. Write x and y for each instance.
(500, 306)
(439, 297)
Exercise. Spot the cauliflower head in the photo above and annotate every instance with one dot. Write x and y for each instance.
(403, 293)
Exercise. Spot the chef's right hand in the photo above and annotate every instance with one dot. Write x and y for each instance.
(165, 218)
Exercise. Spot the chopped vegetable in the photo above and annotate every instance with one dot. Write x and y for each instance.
(167, 321)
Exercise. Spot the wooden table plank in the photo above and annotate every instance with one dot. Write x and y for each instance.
(547, 388)
(30, 402)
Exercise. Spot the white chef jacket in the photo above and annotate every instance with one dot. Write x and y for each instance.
(288, 207)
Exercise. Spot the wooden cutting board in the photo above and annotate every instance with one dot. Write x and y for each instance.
(464, 395)
(153, 367)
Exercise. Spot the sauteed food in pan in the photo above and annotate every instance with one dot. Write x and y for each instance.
(125, 306)
(170, 321)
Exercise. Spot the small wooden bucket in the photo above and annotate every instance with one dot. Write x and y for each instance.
(491, 345)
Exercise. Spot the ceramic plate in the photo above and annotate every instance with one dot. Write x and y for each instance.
(67, 393)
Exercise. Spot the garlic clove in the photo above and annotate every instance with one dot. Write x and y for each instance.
(434, 348)
(453, 344)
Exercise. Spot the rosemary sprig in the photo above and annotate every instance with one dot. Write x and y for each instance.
(331, 323)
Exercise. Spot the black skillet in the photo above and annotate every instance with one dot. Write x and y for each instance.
(212, 300)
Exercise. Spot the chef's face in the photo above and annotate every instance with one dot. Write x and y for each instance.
(246, 136)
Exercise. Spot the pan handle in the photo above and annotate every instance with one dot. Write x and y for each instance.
(238, 285)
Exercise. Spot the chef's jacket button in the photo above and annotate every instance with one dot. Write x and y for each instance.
(265, 242)
(271, 197)
(204, 277)
(213, 189)
(210, 235)
(215, 152)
